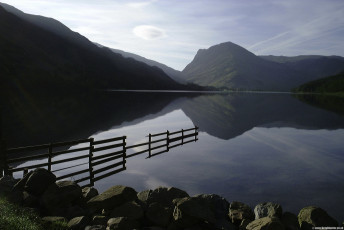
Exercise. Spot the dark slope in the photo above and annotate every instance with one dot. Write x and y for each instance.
(231, 66)
(315, 65)
(174, 74)
(36, 59)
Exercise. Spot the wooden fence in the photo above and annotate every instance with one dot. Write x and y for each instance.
(97, 159)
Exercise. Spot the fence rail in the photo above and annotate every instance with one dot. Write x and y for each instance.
(105, 157)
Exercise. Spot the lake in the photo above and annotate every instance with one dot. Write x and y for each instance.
(252, 147)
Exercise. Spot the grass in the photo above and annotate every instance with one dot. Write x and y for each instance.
(14, 217)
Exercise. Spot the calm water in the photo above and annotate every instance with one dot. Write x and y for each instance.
(252, 148)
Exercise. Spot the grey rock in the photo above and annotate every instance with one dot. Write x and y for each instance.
(312, 216)
(61, 195)
(20, 185)
(78, 223)
(111, 198)
(266, 223)
(161, 195)
(6, 184)
(268, 209)
(99, 220)
(95, 227)
(190, 211)
(290, 221)
(38, 181)
(89, 192)
(159, 215)
(30, 200)
(122, 223)
(218, 204)
(239, 211)
(131, 210)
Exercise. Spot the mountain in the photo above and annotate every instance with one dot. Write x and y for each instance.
(174, 74)
(332, 84)
(228, 65)
(316, 65)
(37, 58)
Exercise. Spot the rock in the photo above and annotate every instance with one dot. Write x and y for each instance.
(99, 220)
(30, 200)
(75, 211)
(20, 185)
(111, 198)
(60, 196)
(266, 223)
(244, 224)
(161, 195)
(131, 210)
(95, 227)
(89, 192)
(6, 184)
(122, 223)
(38, 181)
(267, 209)
(312, 216)
(290, 221)
(78, 223)
(239, 211)
(159, 215)
(218, 204)
(190, 211)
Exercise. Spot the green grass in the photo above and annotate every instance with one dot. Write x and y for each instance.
(14, 217)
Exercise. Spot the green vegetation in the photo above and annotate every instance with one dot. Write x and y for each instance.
(333, 85)
(15, 217)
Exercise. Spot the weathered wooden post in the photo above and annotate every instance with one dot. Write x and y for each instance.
(124, 151)
(196, 133)
(149, 145)
(182, 136)
(167, 141)
(50, 156)
(90, 156)
(2, 158)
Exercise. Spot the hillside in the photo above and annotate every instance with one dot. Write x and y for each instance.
(332, 84)
(228, 65)
(37, 59)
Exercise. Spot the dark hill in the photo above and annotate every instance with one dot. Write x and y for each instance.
(332, 84)
(228, 65)
(35, 59)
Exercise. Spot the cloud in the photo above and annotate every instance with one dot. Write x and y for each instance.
(141, 4)
(148, 32)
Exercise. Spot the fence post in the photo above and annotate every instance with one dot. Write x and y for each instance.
(196, 133)
(90, 158)
(182, 136)
(2, 158)
(167, 141)
(149, 145)
(50, 156)
(124, 151)
(3, 151)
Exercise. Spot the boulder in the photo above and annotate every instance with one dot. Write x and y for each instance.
(131, 210)
(95, 227)
(266, 223)
(122, 223)
(38, 181)
(239, 211)
(99, 220)
(161, 195)
(312, 216)
(290, 221)
(159, 215)
(89, 192)
(78, 223)
(6, 184)
(30, 200)
(20, 185)
(190, 211)
(60, 196)
(111, 198)
(268, 209)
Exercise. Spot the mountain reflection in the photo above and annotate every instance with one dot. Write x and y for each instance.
(228, 116)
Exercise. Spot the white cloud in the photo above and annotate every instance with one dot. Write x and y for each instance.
(148, 32)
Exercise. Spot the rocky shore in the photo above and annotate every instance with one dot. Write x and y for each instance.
(121, 207)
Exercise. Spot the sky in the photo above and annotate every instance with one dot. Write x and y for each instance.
(172, 31)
